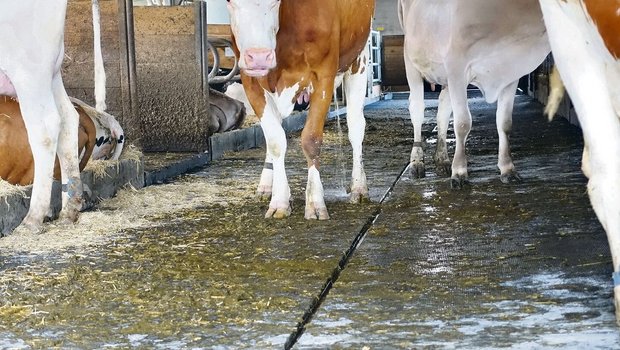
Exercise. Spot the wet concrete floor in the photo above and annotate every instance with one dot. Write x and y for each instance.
(519, 266)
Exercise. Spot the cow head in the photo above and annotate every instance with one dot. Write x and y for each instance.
(254, 24)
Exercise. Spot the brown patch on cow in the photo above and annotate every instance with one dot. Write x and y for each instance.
(606, 16)
(16, 161)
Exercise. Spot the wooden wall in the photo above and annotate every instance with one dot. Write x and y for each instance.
(77, 71)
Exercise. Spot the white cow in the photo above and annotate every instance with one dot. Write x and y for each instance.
(31, 54)
(487, 43)
(586, 47)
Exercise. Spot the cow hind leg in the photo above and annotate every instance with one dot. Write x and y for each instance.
(416, 113)
(355, 90)
(42, 122)
(68, 153)
(462, 127)
(442, 161)
(505, 106)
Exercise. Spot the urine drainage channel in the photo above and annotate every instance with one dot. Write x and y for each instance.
(342, 264)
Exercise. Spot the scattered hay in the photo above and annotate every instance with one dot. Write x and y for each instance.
(131, 152)
(7, 189)
(98, 167)
(130, 209)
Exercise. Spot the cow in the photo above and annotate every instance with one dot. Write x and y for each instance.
(31, 55)
(487, 43)
(586, 48)
(16, 161)
(286, 47)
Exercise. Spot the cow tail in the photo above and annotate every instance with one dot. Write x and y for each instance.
(100, 79)
(555, 95)
(401, 14)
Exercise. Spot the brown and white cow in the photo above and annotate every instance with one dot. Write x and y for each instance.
(487, 43)
(585, 40)
(286, 47)
(16, 161)
(31, 54)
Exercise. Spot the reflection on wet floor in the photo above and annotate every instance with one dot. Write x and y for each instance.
(519, 266)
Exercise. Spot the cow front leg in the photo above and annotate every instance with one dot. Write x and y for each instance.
(505, 105)
(311, 141)
(265, 184)
(462, 127)
(416, 113)
(442, 161)
(68, 154)
(279, 205)
(355, 91)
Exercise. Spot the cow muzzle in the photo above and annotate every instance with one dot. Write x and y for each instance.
(258, 62)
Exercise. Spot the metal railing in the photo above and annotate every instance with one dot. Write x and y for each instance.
(215, 76)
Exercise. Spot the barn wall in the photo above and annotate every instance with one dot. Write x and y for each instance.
(386, 17)
(172, 107)
(77, 69)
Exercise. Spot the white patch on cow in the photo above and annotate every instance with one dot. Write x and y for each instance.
(254, 24)
(284, 100)
(355, 90)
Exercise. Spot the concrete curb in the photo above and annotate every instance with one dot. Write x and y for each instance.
(14, 207)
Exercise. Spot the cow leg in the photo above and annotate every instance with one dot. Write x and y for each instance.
(462, 126)
(42, 122)
(68, 153)
(416, 113)
(442, 162)
(589, 87)
(275, 137)
(355, 90)
(266, 178)
(505, 104)
(311, 141)
(602, 165)
(503, 118)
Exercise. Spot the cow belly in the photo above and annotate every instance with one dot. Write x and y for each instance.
(431, 69)
(492, 72)
(6, 87)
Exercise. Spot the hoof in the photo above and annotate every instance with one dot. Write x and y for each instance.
(510, 177)
(278, 213)
(458, 182)
(313, 213)
(359, 197)
(29, 227)
(263, 195)
(417, 170)
(443, 169)
(69, 216)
